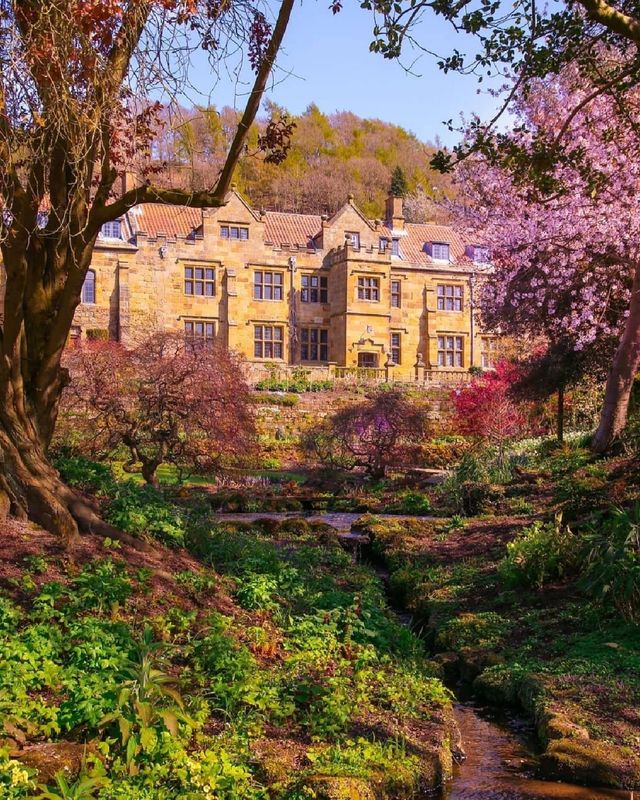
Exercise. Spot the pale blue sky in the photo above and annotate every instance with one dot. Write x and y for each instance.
(330, 64)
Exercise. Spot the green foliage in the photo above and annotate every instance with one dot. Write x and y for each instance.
(611, 569)
(16, 780)
(102, 585)
(484, 629)
(83, 788)
(256, 592)
(293, 386)
(148, 701)
(143, 511)
(362, 758)
(398, 187)
(287, 400)
(410, 502)
(85, 474)
(540, 553)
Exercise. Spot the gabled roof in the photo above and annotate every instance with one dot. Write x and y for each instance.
(297, 230)
(345, 208)
(159, 218)
(292, 229)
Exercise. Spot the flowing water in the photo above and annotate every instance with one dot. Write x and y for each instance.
(500, 764)
(500, 761)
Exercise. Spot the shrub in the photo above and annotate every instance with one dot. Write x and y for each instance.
(85, 474)
(540, 553)
(297, 385)
(612, 560)
(167, 401)
(413, 503)
(486, 410)
(143, 511)
(484, 629)
(287, 400)
(381, 432)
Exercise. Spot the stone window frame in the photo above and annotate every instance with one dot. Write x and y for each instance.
(268, 341)
(396, 293)
(368, 289)
(451, 350)
(237, 233)
(271, 286)
(207, 279)
(200, 330)
(488, 352)
(320, 290)
(395, 347)
(88, 296)
(450, 297)
(317, 351)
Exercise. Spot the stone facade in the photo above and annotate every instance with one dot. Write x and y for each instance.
(292, 289)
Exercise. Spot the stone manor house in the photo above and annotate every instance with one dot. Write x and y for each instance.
(342, 293)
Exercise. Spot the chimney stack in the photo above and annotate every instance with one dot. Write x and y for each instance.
(394, 216)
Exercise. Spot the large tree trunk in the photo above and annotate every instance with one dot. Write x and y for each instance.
(30, 487)
(626, 362)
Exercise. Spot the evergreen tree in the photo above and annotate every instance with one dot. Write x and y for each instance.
(398, 186)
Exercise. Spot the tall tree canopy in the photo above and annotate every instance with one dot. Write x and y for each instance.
(566, 255)
(81, 84)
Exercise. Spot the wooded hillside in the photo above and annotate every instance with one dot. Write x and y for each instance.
(330, 156)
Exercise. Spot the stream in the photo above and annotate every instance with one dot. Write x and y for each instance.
(501, 761)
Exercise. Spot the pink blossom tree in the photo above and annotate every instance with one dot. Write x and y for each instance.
(567, 254)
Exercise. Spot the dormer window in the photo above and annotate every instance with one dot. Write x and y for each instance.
(234, 232)
(111, 230)
(395, 247)
(440, 251)
(480, 254)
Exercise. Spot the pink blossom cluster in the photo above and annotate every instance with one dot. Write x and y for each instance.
(563, 259)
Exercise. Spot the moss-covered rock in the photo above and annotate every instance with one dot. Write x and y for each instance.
(338, 788)
(591, 763)
(498, 687)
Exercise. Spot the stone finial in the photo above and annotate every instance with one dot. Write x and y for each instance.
(350, 198)
(234, 187)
